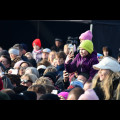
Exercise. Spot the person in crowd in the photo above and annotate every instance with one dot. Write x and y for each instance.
(50, 69)
(106, 51)
(31, 59)
(4, 52)
(29, 55)
(105, 84)
(49, 88)
(25, 48)
(60, 57)
(87, 85)
(87, 35)
(20, 47)
(46, 63)
(75, 93)
(38, 89)
(66, 49)
(45, 53)
(37, 50)
(51, 57)
(28, 79)
(118, 58)
(63, 95)
(32, 70)
(83, 61)
(43, 81)
(58, 45)
(6, 61)
(23, 66)
(14, 55)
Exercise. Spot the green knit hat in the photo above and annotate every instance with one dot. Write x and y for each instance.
(87, 45)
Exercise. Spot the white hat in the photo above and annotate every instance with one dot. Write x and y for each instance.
(47, 50)
(41, 67)
(108, 63)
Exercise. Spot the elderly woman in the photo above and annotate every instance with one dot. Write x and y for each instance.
(106, 83)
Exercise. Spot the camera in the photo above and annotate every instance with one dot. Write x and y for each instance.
(73, 40)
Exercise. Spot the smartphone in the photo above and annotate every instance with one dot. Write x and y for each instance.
(54, 92)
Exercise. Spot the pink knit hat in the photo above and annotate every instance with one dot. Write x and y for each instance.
(64, 94)
(89, 95)
(17, 64)
(86, 35)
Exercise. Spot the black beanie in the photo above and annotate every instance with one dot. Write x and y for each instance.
(51, 75)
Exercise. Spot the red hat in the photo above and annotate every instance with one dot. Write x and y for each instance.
(37, 42)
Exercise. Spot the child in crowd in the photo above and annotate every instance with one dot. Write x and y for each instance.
(83, 61)
(106, 51)
(51, 57)
(37, 51)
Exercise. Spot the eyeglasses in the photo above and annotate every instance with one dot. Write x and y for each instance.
(25, 81)
(23, 68)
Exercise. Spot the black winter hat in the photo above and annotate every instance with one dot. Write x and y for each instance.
(51, 75)
(29, 94)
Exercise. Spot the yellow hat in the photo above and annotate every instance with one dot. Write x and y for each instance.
(87, 45)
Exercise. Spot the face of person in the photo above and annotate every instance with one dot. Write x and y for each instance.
(60, 61)
(103, 74)
(83, 52)
(36, 47)
(4, 62)
(29, 56)
(58, 43)
(66, 50)
(105, 53)
(119, 59)
(87, 86)
(12, 56)
(81, 77)
(22, 69)
(51, 56)
(25, 81)
(45, 55)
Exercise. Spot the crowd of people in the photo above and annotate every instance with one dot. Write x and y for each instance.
(62, 72)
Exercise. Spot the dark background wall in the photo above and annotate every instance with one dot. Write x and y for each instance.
(25, 31)
(105, 32)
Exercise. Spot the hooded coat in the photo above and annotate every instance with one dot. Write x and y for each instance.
(84, 65)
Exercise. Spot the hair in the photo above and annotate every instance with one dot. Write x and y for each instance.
(49, 88)
(106, 48)
(29, 53)
(44, 62)
(37, 88)
(7, 58)
(76, 92)
(50, 69)
(8, 91)
(33, 70)
(51, 53)
(15, 79)
(19, 46)
(31, 77)
(43, 81)
(61, 54)
(107, 85)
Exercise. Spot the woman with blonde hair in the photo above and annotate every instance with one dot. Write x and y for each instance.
(51, 57)
(106, 83)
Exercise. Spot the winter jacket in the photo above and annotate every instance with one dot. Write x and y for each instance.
(81, 64)
(37, 55)
(60, 69)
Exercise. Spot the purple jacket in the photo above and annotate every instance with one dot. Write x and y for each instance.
(80, 64)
